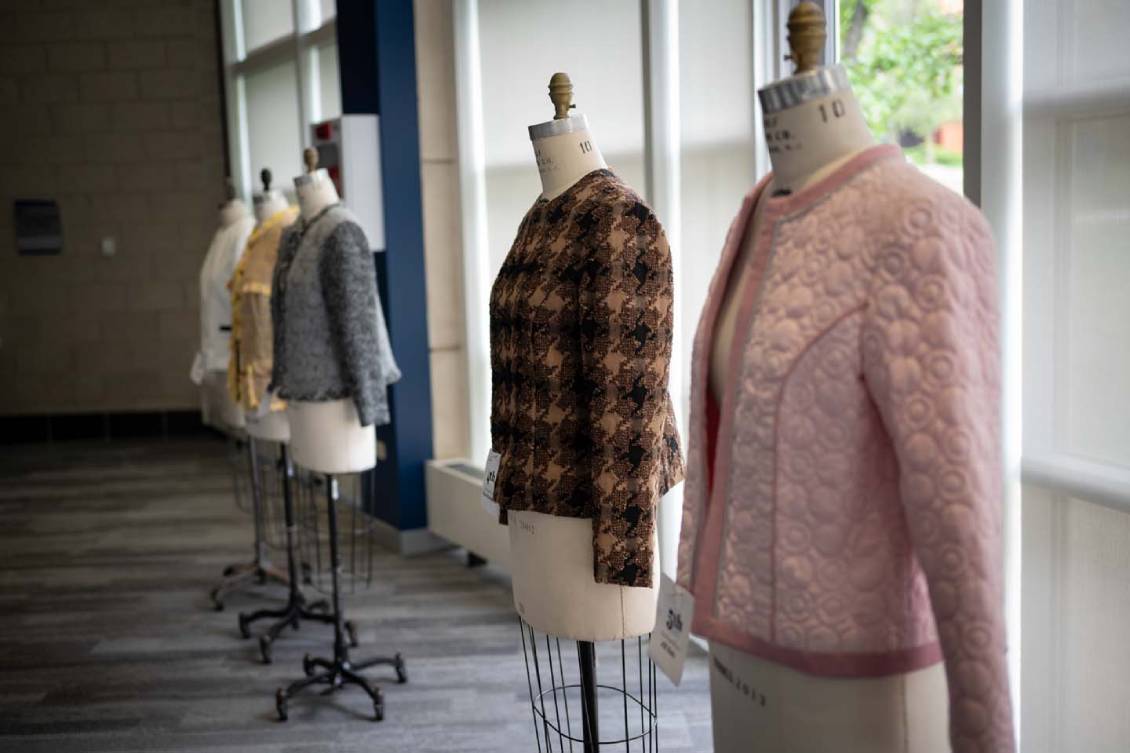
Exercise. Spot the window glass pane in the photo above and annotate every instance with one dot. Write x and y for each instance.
(580, 42)
(917, 106)
(328, 9)
(1097, 222)
(272, 121)
(716, 119)
(1096, 40)
(265, 21)
(329, 83)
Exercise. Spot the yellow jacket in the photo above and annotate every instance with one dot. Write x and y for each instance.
(249, 368)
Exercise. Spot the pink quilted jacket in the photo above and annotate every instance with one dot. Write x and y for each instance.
(843, 513)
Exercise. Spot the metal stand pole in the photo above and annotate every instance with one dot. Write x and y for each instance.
(259, 570)
(296, 608)
(586, 658)
(340, 671)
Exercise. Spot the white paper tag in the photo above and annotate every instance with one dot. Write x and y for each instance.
(264, 406)
(672, 632)
(196, 373)
(491, 475)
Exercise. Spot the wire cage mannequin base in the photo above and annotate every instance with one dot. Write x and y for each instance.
(296, 608)
(601, 697)
(259, 569)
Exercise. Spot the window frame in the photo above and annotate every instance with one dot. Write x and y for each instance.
(299, 47)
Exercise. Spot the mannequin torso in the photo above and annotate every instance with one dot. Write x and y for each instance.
(269, 203)
(272, 425)
(786, 710)
(327, 436)
(554, 587)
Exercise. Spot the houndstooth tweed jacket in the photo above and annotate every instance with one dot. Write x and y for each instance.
(581, 328)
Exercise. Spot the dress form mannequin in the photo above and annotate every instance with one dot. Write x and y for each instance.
(326, 436)
(554, 588)
(813, 124)
(272, 425)
(217, 408)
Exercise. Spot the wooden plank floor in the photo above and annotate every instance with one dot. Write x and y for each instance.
(108, 643)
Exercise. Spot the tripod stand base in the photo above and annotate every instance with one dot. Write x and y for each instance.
(292, 614)
(336, 674)
(241, 576)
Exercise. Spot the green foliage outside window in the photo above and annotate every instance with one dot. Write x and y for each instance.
(904, 59)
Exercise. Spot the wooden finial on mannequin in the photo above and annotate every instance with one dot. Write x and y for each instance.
(561, 95)
(265, 178)
(310, 158)
(807, 34)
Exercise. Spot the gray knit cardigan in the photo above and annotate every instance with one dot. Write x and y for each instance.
(329, 332)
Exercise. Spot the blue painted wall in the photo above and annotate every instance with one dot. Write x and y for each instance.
(377, 57)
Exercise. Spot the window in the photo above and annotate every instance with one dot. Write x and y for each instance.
(904, 58)
(1076, 376)
(281, 75)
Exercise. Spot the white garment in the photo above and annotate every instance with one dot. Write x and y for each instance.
(236, 223)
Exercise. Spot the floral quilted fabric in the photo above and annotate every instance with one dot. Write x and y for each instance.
(581, 329)
(849, 521)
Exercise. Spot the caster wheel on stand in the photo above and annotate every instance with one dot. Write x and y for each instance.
(378, 707)
(401, 670)
(265, 649)
(280, 704)
(351, 629)
(307, 666)
(244, 630)
(229, 570)
(217, 602)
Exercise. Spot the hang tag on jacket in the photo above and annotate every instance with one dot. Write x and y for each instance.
(264, 406)
(196, 373)
(672, 631)
(491, 475)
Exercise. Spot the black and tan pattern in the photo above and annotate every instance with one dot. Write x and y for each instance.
(581, 325)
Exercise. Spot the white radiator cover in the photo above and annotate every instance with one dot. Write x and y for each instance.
(454, 490)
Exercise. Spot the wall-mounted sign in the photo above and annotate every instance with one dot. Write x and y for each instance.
(39, 229)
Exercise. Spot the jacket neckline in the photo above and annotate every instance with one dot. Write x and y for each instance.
(810, 194)
(583, 180)
(307, 224)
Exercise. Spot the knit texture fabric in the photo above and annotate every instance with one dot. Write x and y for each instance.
(581, 328)
(852, 524)
(329, 331)
(252, 341)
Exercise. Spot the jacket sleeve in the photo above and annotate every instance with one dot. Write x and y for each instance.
(931, 360)
(278, 290)
(349, 287)
(626, 321)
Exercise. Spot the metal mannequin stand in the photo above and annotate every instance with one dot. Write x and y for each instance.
(339, 671)
(296, 608)
(627, 711)
(259, 570)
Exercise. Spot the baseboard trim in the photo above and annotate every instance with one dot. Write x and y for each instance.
(104, 426)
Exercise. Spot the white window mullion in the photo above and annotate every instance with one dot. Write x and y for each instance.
(231, 24)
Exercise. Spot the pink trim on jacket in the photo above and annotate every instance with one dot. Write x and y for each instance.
(845, 519)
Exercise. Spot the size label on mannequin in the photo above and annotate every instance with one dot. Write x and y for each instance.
(739, 684)
(779, 138)
(586, 146)
(489, 477)
(672, 632)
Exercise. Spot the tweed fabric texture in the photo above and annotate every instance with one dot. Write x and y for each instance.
(252, 340)
(329, 331)
(852, 522)
(581, 328)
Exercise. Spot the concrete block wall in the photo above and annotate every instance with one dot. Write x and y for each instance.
(443, 243)
(113, 109)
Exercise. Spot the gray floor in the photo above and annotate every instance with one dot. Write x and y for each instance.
(107, 641)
